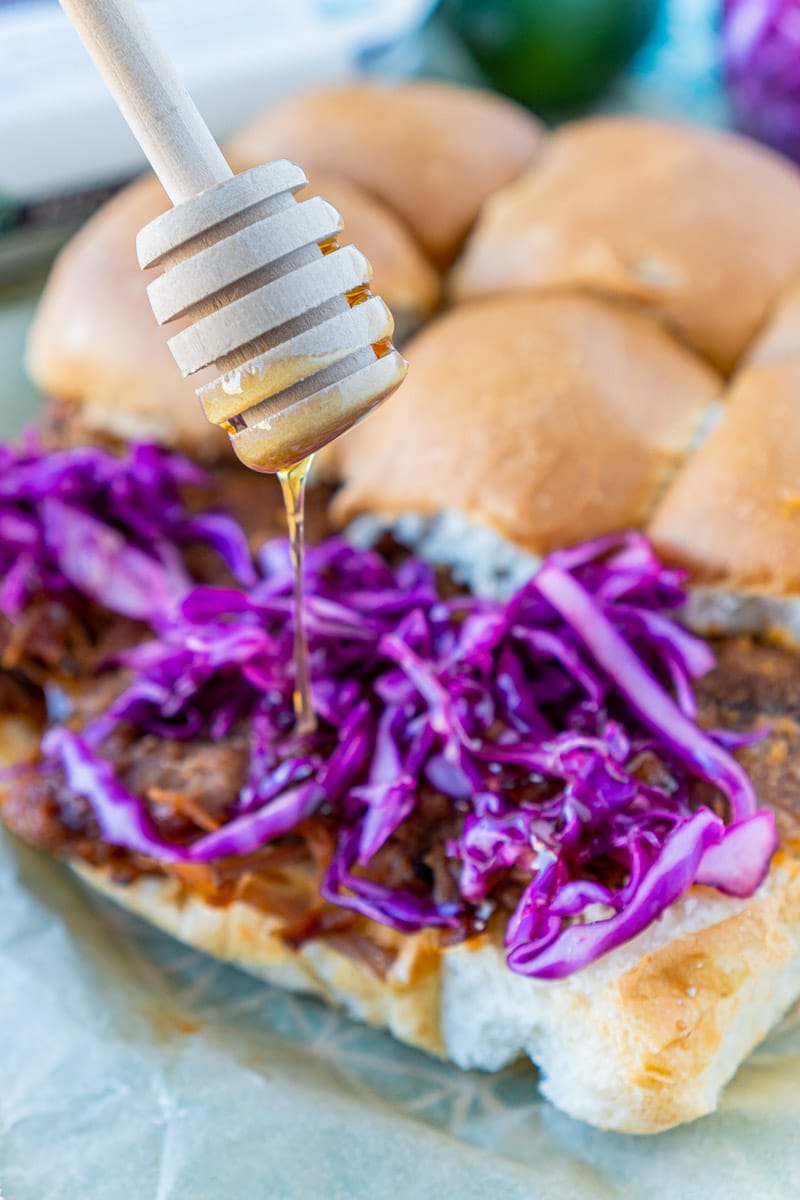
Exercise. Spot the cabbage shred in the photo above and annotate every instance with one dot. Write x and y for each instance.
(560, 726)
(539, 720)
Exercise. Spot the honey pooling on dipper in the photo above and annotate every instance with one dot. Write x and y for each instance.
(301, 346)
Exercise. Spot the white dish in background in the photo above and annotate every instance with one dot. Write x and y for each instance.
(60, 131)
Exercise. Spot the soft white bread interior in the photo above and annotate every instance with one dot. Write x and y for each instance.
(547, 418)
(642, 1040)
(699, 226)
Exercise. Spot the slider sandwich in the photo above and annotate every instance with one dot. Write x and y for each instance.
(538, 816)
(701, 228)
(408, 173)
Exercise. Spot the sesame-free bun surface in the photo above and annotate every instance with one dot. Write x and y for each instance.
(732, 515)
(432, 152)
(779, 340)
(701, 226)
(95, 342)
(550, 419)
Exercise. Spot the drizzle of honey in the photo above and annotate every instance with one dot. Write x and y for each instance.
(358, 295)
(293, 485)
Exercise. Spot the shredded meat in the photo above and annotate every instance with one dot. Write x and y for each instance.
(21, 697)
(414, 858)
(757, 686)
(61, 427)
(71, 638)
(253, 499)
(47, 815)
(190, 787)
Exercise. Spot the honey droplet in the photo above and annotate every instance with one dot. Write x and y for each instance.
(293, 485)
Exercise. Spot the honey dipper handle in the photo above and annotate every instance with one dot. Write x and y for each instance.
(159, 110)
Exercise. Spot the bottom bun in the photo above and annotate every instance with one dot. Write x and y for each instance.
(640, 1041)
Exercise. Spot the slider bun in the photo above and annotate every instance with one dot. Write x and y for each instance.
(638, 1042)
(732, 515)
(779, 340)
(433, 152)
(96, 345)
(548, 418)
(702, 227)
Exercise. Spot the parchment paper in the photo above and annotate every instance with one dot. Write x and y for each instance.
(132, 1068)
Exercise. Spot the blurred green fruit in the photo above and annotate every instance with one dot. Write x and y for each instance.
(552, 54)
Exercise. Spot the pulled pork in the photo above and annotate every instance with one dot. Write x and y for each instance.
(59, 653)
(191, 787)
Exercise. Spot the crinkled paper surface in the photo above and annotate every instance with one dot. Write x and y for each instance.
(132, 1068)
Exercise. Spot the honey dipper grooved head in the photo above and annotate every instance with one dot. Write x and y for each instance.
(303, 347)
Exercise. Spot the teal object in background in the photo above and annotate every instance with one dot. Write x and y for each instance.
(9, 210)
(19, 400)
(677, 74)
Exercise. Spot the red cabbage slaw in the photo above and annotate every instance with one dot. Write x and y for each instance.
(533, 718)
(108, 527)
(760, 46)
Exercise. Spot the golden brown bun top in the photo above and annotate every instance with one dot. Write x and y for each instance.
(95, 341)
(432, 152)
(733, 514)
(779, 340)
(550, 419)
(699, 225)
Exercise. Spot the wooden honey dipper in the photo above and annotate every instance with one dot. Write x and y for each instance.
(302, 346)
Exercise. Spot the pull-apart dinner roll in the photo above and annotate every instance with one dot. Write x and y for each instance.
(549, 419)
(700, 227)
(430, 151)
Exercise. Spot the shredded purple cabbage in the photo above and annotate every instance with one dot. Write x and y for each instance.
(761, 58)
(535, 719)
(111, 528)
